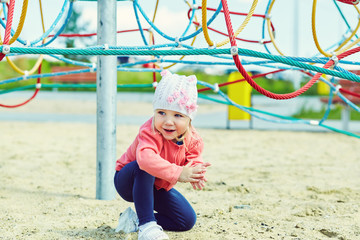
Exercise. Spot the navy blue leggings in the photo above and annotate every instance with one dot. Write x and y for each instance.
(173, 211)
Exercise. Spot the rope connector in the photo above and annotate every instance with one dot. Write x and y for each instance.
(28, 43)
(38, 85)
(213, 46)
(177, 41)
(159, 60)
(194, 6)
(314, 122)
(335, 59)
(106, 46)
(93, 67)
(150, 30)
(267, 16)
(154, 84)
(262, 41)
(216, 88)
(6, 49)
(337, 89)
(234, 50)
(26, 74)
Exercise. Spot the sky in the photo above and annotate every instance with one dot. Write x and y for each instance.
(291, 37)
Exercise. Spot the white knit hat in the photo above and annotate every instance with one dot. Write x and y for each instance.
(177, 93)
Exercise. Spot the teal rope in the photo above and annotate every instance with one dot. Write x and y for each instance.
(79, 51)
(18, 89)
(248, 108)
(280, 116)
(82, 85)
(203, 51)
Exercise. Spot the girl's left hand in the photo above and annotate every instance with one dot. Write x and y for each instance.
(198, 185)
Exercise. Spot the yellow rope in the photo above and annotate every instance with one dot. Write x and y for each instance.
(353, 33)
(192, 43)
(204, 23)
(41, 57)
(42, 18)
(21, 22)
(339, 49)
(271, 34)
(237, 32)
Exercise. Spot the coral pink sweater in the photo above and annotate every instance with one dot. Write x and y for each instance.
(160, 157)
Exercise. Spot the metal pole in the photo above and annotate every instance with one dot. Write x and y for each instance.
(106, 102)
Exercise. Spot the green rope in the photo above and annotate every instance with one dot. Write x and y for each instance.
(203, 51)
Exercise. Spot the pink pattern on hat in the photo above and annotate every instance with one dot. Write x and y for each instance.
(170, 99)
(164, 73)
(182, 103)
(191, 108)
(192, 78)
(176, 94)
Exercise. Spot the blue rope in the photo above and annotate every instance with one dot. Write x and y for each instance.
(62, 27)
(172, 38)
(139, 24)
(57, 20)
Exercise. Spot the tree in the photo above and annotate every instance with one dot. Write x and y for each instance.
(75, 26)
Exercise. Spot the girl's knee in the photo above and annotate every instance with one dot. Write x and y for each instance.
(188, 222)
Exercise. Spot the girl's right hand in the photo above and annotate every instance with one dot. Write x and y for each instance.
(193, 174)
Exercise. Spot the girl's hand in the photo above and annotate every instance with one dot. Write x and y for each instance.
(192, 174)
(199, 185)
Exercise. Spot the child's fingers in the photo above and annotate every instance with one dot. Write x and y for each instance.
(198, 176)
(206, 164)
(189, 164)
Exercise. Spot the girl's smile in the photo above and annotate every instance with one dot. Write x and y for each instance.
(170, 124)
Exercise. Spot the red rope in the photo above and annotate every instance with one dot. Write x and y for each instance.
(349, 92)
(8, 25)
(241, 80)
(94, 34)
(353, 2)
(342, 90)
(235, 13)
(38, 81)
(240, 39)
(254, 84)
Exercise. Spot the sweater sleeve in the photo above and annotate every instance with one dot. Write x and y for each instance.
(149, 159)
(195, 149)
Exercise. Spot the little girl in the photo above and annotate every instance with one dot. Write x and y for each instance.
(166, 150)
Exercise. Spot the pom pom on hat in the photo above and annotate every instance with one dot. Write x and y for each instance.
(177, 93)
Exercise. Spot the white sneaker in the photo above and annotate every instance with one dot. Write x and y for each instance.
(128, 221)
(152, 232)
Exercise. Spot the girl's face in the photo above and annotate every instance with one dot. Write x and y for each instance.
(170, 124)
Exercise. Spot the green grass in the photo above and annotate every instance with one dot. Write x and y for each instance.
(335, 113)
(6, 72)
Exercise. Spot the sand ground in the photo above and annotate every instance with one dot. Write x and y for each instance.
(262, 184)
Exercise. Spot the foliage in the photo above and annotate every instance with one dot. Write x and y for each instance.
(335, 113)
(75, 26)
(273, 85)
(6, 72)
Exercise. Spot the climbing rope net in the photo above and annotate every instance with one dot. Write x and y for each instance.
(325, 66)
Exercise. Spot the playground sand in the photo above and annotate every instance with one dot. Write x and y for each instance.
(262, 184)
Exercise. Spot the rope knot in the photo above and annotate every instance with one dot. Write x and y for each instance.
(6, 49)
